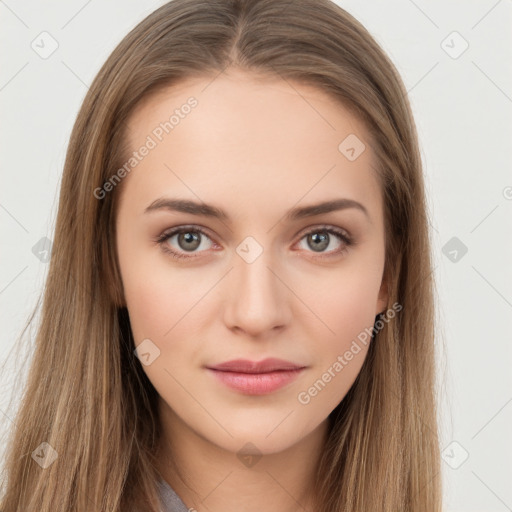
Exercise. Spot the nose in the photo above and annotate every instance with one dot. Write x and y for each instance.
(257, 297)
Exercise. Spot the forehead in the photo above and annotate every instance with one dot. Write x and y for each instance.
(250, 140)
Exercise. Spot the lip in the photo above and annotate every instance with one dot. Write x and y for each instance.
(256, 383)
(270, 364)
(256, 377)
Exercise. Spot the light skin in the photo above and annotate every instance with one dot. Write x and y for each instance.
(255, 149)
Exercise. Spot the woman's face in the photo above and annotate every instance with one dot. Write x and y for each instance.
(257, 273)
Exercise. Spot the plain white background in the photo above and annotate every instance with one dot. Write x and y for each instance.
(454, 58)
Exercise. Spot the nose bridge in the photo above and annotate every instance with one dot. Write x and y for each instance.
(257, 297)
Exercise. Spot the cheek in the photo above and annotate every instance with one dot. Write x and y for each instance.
(158, 302)
(344, 301)
(342, 339)
(157, 294)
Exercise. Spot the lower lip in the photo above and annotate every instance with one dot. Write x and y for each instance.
(257, 383)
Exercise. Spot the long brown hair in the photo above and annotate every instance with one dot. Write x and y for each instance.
(87, 395)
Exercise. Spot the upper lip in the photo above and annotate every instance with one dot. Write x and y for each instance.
(245, 366)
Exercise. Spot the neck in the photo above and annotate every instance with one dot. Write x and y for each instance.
(211, 478)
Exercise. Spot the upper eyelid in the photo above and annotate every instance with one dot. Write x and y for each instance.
(168, 233)
(191, 227)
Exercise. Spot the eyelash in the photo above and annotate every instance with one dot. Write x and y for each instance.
(164, 237)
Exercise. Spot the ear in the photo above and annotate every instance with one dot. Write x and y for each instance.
(116, 292)
(114, 284)
(382, 299)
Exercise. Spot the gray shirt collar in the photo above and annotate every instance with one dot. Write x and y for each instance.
(171, 502)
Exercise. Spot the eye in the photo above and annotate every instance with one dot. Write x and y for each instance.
(321, 238)
(188, 240)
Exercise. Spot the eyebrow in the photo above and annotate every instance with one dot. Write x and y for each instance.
(207, 210)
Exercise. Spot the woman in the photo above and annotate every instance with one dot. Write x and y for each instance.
(239, 307)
